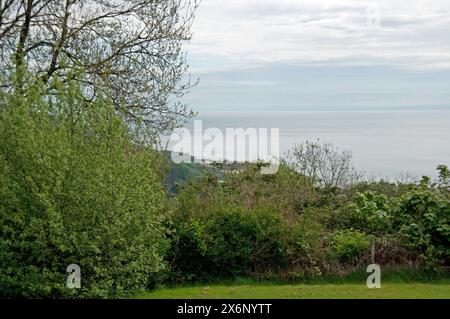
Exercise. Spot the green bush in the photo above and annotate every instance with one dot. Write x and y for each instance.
(234, 243)
(74, 188)
(189, 251)
(422, 217)
(246, 242)
(348, 245)
(314, 226)
(368, 212)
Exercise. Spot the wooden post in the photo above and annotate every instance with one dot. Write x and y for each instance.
(373, 251)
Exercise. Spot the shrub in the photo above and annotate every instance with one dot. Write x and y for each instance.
(284, 225)
(247, 242)
(422, 217)
(75, 189)
(349, 245)
(234, 243)
(189, 251)
(369, 212)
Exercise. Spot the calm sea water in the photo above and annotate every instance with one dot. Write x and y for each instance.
(383, 143)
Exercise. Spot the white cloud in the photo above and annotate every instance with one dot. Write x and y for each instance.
(233, 34)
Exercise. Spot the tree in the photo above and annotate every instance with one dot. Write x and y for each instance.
(130, 49)
(75, 189)
(422, 218)
(324, 164)
(444, 177)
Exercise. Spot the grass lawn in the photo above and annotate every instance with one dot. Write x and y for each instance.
(302, 291)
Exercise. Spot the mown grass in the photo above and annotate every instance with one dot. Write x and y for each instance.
(432, 290)
(397, 283)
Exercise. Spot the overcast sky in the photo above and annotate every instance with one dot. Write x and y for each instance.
(327, 54)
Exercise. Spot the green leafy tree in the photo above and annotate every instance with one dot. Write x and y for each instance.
(75, 189)
(422, 217)
(444, 178)
(369, 212)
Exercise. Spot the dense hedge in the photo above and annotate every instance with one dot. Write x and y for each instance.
(234, 243)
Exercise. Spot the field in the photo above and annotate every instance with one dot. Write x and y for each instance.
(432, 290)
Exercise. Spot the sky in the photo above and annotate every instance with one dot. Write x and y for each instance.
(292, 55)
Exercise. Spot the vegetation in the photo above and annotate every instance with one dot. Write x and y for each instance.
(85, 86)
(75, 189)
(323, 164)
(127, 50)
(81, 99)
(285, 226)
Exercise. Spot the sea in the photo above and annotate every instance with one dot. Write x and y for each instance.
(388, 144)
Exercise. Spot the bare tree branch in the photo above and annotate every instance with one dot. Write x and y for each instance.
(324, 164)
(128, 49)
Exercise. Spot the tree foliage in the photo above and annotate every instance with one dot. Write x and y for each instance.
(220, 225)
(423, 218)
(75, 189)
(231, 243)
